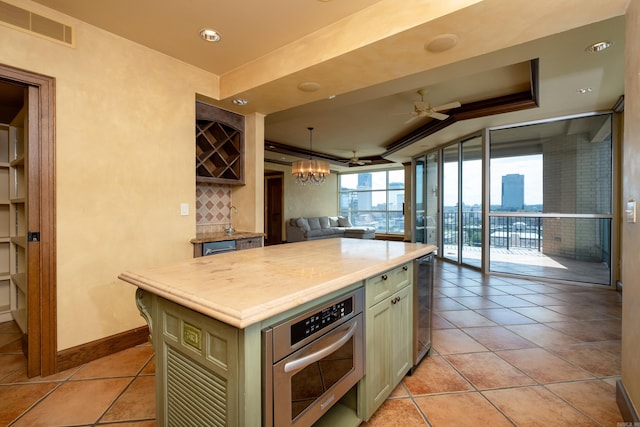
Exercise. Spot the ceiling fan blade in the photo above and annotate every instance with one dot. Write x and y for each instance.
(438, 116)
(412, 118)
(448, 106)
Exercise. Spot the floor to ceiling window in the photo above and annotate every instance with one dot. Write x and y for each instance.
(548, 197)
(426, 199)
(374, 199)
(450, 202)
(460, 197)
(551, 199)
(471, 194)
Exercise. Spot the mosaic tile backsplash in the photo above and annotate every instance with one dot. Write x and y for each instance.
(213, 207)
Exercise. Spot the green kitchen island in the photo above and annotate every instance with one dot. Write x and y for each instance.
(206, 318)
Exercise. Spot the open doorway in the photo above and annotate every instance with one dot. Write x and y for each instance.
(28, 207)
(273, 207)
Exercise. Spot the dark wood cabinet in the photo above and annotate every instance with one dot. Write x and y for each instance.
(219, 145)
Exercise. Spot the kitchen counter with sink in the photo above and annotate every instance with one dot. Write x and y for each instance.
(222, 236)
(207, 316)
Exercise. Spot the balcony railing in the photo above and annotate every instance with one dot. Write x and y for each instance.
(504, 232)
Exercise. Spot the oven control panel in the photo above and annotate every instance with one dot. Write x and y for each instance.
(320, 320)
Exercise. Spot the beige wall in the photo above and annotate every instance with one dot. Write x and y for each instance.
(124, 163)
(308, 200)
(249, 198)
(631, 189)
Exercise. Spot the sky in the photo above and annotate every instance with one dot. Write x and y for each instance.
(529, 166)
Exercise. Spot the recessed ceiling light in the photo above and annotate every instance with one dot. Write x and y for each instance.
(441, 43)
(240, 101)
(210, 35)
(309, 86)
(599, 46)
(584, 90)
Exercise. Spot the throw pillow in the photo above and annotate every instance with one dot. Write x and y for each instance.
(333, 221)
(303, 224)
(344, 222)
(324, 222)
(314, 223)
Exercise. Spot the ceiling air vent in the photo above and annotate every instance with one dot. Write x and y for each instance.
(21, 19)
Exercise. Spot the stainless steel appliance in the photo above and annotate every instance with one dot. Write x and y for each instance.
(214, 248)
(423, 307)
(312, 360)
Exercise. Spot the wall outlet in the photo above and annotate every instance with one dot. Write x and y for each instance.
(184, 209)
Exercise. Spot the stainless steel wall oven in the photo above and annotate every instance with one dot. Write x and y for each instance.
(312, 360)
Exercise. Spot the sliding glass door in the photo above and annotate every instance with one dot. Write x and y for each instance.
(452, 187)
(551, 199)
(471, 193)
(450, 202)
(534, 200)
(425, 173)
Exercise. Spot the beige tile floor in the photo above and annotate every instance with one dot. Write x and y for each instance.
(506, 352)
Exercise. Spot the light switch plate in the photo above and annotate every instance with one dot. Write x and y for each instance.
(631, 211)
(184, 209)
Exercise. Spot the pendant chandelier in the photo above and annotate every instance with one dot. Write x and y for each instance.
(310, 171)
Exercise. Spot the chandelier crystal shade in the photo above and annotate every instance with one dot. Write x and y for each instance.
(310, 171)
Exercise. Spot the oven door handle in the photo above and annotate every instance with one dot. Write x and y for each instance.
(304, 361)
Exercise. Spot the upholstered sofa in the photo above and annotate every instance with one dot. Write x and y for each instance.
(325, 227)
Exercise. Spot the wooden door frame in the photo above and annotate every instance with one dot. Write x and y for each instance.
(42, 306)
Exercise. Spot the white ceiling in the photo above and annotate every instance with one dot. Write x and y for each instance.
(371, 55)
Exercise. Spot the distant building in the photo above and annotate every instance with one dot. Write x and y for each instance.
(395, 204)
(513, 192)
(364, 199)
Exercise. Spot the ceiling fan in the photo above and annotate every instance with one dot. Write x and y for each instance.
(424, 109)
(356, 161)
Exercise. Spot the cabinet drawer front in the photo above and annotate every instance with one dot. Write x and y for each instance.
(400, 277)
(377, 289)
(252, 242)
(383, 285)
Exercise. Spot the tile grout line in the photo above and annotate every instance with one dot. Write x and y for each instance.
(37, 402)
(123, 392)
(537, 383)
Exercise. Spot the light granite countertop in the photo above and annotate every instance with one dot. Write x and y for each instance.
(245, 287)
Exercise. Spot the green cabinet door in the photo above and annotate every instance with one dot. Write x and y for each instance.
(401, 333)
(389, 334)
(377, 379)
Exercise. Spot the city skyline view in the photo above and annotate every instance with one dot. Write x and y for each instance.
(378, 185)
(530, 166)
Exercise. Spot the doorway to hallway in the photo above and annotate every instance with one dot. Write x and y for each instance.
(274, 207)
